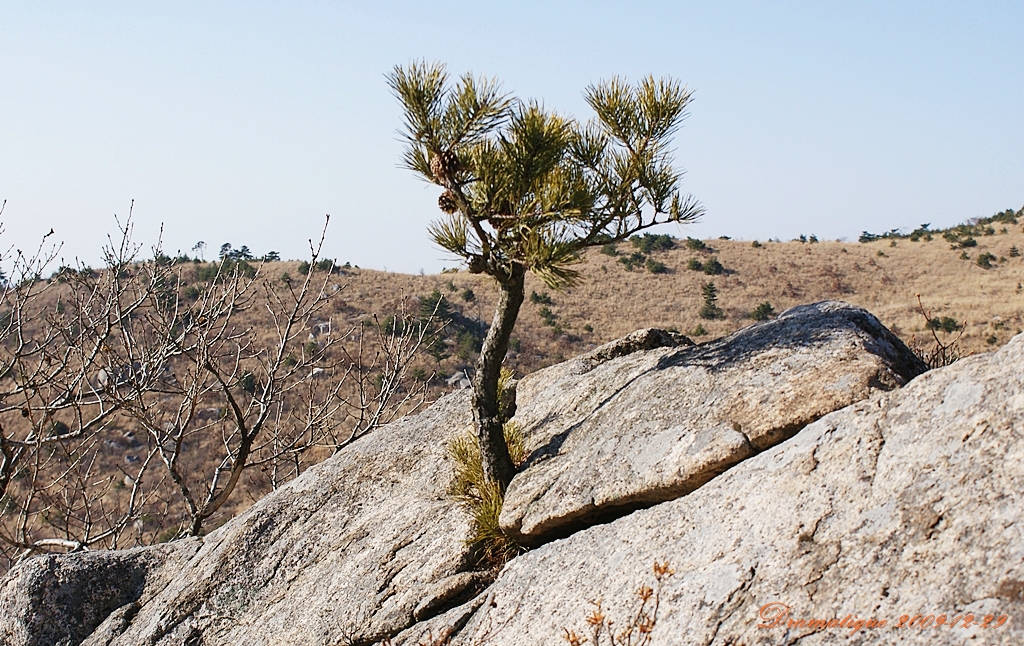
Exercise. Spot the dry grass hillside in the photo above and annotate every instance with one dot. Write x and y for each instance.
(884, 276)
(969, 277)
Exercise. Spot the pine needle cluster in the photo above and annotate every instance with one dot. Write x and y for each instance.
(527, 185)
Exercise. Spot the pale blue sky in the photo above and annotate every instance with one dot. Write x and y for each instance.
(246, 122)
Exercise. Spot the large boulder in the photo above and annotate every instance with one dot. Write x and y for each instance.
(356, 549)
(60, 599)
(368, 546)
(906, 504)
(617, 430)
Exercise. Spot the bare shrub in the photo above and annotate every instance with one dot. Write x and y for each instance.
(940, 353)
(636, 628)
(129, 412)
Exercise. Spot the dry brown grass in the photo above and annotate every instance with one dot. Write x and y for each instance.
(614, 301)
(787, 274)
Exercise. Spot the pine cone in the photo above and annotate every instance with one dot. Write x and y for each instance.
(444, 165)
(447, 202)
(477, 264)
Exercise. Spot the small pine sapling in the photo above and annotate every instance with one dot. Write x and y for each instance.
(710, 309)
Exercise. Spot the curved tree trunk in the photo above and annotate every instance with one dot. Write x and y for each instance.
(497, 465)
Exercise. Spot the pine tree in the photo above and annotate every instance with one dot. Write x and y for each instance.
(526, 189)
(437, 306)
(710, 308)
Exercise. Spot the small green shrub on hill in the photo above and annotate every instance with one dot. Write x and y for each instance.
(541, 299)
(633, 260)
(763, 312)
(712, 267)
(656, 266)
(651, 242)
(693, 244)
(946, 324)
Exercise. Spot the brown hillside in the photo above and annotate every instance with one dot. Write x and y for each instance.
(884, 277)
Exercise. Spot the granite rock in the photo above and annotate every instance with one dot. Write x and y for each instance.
(904, 504)
(616, 431)
(359, 547)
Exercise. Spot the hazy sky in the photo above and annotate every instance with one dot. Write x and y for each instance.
(246, 122)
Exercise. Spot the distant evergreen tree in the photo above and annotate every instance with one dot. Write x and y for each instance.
(436, 305)
(710, 308)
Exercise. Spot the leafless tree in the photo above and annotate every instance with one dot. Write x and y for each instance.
(133, 399)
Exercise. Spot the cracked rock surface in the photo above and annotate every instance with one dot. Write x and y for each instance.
(619, 431)
(907, 503)
(347, 553)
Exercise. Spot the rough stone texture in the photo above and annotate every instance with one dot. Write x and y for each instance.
(619, 431)
(344, 554)
(904, 503)
(62, 599)
(347, 553)
(456, 587)
(646, 339)
(907, 503)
